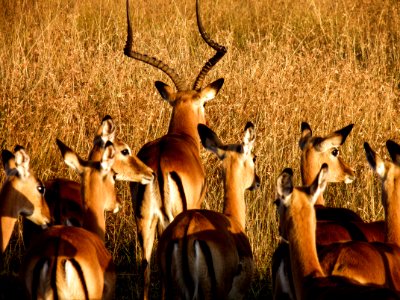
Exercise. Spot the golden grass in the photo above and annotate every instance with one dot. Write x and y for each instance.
(329, 63)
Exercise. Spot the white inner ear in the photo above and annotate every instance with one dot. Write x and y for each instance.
(108, 132)
(72, 161)
(380, 168)
(331, 142)
(208, 94)
(22, 163)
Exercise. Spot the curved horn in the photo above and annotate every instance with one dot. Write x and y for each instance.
(180, 86)
(221, 50)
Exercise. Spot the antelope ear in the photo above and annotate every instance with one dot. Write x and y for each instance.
(394, 151)
(284, 186)
(71, 159)
(106, 130)
(211, 90)
(21, 161)
(249, 138)
(319, 184)
(306, 134)
(334, 139)
(108, 159)
(375, 161)
(8, 159)
(210, 140)
(166, 92)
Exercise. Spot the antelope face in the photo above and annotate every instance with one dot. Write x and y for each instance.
(319, 150)
(26, 191)
(127, 166)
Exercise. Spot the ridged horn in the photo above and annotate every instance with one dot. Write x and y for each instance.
(180, 86)
(221, 50)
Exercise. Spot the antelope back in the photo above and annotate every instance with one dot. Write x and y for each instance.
(68, 263)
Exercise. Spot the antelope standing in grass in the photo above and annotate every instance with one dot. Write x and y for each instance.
(298, 226)
(377, 263)
(63, 196)
(72, 262)
(333, 224)
(175, 157)
(205, 254)
(21, 194)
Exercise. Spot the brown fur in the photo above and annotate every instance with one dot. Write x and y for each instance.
(298, 221)
(90, 268)
(205, 254)
(21, 194)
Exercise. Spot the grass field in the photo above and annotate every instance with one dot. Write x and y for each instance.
(329, 63)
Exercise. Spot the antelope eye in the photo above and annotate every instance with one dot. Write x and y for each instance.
(115, 176)
(125, 152)
(41, 189)
(254, 158)
(335, 152)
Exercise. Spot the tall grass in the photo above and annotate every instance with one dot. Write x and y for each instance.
(329, 63)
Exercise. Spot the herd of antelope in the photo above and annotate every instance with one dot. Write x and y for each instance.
(324, 253)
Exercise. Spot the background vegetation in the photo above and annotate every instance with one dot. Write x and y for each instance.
(329, 63)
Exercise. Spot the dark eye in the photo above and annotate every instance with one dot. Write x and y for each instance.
(254, 158)
(115, 176)
(41, 189)
(125, 152)
(335, 152)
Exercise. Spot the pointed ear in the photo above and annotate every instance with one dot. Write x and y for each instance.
(210, 140)
(106, 130)
(71, 159)
(166, 92)
(319, 184)
(108, 158)
(249, 138)
(306, 134)
(334, 139)
(211, 90)
(21, 161)
(8, 159)
(394, 151)
(375, 161)
(284, 186)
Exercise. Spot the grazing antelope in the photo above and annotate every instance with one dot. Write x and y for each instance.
(63, 196)
(298, 226)
(71, 262)
(205, 254)
(175, 157)
(21, 194)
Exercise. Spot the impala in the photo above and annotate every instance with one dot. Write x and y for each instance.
(63, 196)
(377, 263)
(317, 150)
(21, 194)
(71, 262)
(298, 226)
(175, 157)
(205, 254)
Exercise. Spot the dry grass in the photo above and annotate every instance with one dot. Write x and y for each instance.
(329, 63)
